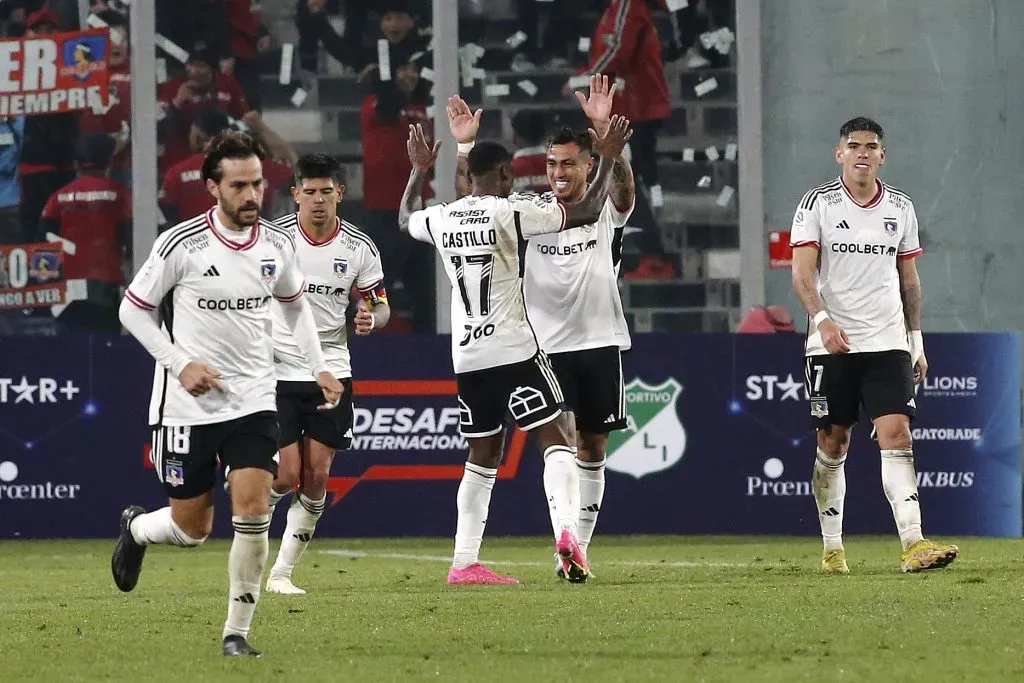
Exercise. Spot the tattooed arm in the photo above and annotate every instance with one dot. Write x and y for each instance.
(422, 156)
(462, 188)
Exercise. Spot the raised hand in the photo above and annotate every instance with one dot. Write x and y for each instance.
(421, 154)
(598, 107)
(462, 121)
(613, 141)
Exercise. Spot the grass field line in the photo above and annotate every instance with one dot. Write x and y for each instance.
(513, 563)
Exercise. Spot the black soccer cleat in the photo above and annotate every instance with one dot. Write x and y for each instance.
(237, 646)
(126, 562)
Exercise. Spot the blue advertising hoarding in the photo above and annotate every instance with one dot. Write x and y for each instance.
(720, 441)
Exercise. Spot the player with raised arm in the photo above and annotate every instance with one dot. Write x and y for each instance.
(200, 305)
(500, 369)
(337, 259)
(572, 295)
(854, 243)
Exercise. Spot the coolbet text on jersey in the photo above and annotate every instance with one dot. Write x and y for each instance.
(213, 288)
(857, 277)
(332, 268)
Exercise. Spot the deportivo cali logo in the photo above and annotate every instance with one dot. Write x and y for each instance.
(654, 438)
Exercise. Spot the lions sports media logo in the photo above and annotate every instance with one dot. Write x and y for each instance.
(654, 439)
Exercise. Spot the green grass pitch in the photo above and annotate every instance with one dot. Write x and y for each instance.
(660, 609)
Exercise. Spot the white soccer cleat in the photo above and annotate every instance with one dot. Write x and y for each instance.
(282, 585)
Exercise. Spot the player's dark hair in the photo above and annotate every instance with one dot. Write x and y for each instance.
(861, 124)
(571, 136)
(530, 125)
(487, 157)
(318, 166)
(229, 144)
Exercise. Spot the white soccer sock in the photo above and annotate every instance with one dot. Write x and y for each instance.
(275, 498)
(246, 561)
(158, 527)
(828, 481)
(473, 501)
(562, 487)
(591, 496)
(303, 515)
(899, 480)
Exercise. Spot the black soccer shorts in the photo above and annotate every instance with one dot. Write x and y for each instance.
(299, 414)
(185, 457)
(883, 381)
(528, 392)
(591, 380)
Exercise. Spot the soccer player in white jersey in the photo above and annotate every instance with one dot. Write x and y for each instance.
(854, 243)
(572, 294)
(209, 281)
(499, 367)
(338, 261)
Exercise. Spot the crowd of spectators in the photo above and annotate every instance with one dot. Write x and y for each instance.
(70, 174)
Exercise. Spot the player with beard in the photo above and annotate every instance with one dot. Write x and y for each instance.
(572, 295)
(200, 305)
(338, 260)
(500, 368)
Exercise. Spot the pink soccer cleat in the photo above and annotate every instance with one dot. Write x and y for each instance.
(574, 562)
(479, 575)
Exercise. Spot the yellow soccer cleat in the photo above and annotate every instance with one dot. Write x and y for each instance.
(834, 562)
(927, 555)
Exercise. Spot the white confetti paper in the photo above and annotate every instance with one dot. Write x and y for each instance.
(688, 154)
(725, 196)
(730, 151)
(299, 96)
(579, 81)
(704, 182)
(383, 60)
(496, 89)
(711, 153)
(516, 39)
(161, 70)
(584, 44)
(704, 87)
(676, 5)
(427, 73)
(287, 55)
(171, 48)
(528, 87)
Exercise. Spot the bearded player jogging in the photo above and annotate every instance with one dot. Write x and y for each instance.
(854, 243)
(572, 293)
(500, 369)
(200, 305)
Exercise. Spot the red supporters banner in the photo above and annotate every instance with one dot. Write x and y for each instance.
(31, 276)
(50, 74)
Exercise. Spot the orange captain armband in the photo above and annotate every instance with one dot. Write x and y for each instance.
(375, 295)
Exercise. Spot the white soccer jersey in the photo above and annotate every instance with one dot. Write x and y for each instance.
(214, 298)
(571, 288)
(857, 251)
(479, 240)
(347, 259)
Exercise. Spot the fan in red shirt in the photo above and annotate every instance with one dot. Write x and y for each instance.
(116, 118)
(201, 86)
(94, 213)
(247, 39)
(530, 161)
(626, 46)
(385, 119)
(183, 192)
